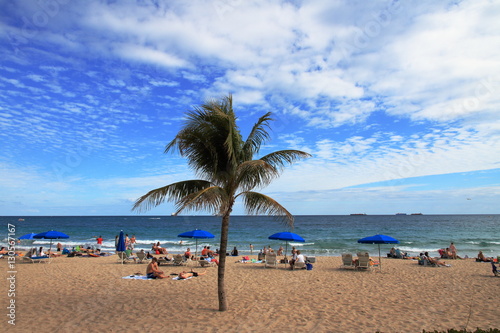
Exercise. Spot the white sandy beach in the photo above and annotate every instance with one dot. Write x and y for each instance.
(89, 295)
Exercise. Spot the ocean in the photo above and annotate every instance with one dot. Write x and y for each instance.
(325, 235)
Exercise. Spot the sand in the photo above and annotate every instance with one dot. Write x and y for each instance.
(89, 295)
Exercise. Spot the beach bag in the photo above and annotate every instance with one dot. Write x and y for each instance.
(309, 267)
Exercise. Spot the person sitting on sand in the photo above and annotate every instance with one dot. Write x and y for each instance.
(234, 252)
(434, 261)
(152, 271)
(41, 253)
(280, 251)
(185, 275)
(481, 257)
(187, 254)
(299, 258)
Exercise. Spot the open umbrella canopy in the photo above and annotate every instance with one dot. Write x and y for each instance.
(287, 236)
(28, 236)
(52, 234)
(196, 234)
(378, 239)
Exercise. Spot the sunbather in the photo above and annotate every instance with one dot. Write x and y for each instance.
(435, 261)
(185, 275)
(152, 271)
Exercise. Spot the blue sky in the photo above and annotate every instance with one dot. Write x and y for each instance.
(398, 102)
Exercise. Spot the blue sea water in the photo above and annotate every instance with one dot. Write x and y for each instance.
(328, 235)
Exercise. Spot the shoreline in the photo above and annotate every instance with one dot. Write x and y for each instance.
(90, 294)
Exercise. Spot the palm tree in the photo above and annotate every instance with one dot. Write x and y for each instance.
(212, 143)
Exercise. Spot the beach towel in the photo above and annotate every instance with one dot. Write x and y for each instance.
(136, 277)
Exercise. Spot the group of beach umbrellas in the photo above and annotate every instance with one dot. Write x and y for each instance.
(202, 234)
(51, 234)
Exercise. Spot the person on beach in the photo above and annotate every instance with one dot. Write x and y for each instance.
(185, 275)
(204, 252)
(481, 257)
(99, 240)
(280, 251)
(251, 249)
(133, 241)
(234, 252)
(40, 253)
(434, 261)
(453, 251)
(59, 247)
(152, 271)
(299, 257)
(187, 254)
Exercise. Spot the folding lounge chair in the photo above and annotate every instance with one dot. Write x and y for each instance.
(29, 257)
(347, 261)
(271, 261)
(123, 258)
(142, 257)
(178, 260)
(363, 261)
(206, 263)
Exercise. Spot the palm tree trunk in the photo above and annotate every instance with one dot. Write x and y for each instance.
(222, 262)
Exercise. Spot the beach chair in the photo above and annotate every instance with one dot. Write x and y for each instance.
(271, 261)
(28, 257)
(347, 262)
(363, 261)
(178, 260)
(206, 263)
(142, 257)
(123, 258)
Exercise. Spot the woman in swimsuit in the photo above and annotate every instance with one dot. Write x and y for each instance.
(185, 275)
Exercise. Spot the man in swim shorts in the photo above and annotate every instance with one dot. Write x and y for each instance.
(152, 272)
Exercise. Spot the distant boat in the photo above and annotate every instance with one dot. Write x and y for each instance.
(358, 214)
(416, 214)
(401, 214)
(20, 220)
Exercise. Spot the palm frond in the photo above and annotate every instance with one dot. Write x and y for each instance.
(279, 159)
(256, 173)
(258, 203)
(212, 199)
(257, 136)
(172, 192)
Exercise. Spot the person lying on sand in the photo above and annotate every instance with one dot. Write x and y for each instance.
(185, 275)
(152, 271)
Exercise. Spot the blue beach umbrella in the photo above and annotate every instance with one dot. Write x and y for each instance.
(28, 236)
(378, 239)
(196, 234)
(120, 246)
(288, 237)
(52, 234)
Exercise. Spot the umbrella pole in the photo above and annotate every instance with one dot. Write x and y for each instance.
(196, 249)
(286, 250)
(379, 258)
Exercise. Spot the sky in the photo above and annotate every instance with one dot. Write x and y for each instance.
(397, 102)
